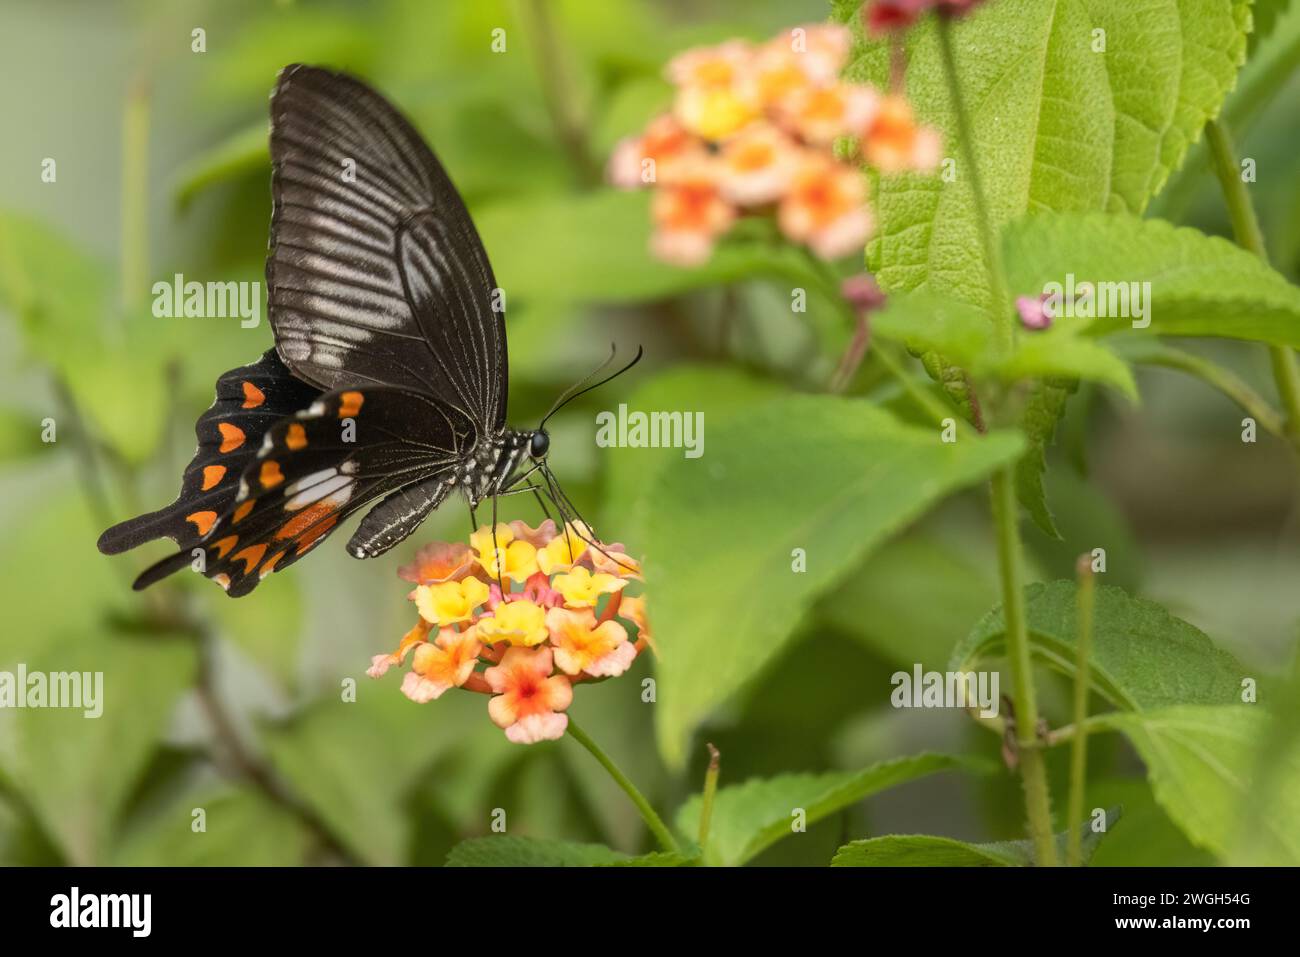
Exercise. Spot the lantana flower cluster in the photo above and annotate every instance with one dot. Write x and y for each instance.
(521, 616)
(752, 130)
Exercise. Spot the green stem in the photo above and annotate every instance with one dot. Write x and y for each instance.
(1245, 227)
(558, 91)
(920, 396)
(1033, 771)
(710, 789)
(135, 195)
(652, 820)
(1153, 352)
(1079, 746)
(1004, 327)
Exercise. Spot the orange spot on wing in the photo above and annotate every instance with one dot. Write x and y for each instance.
(244, 509)
(296, 437)
(316, 534)
(225, 545)
(270, 475)
(304, 527)
(253, 396)
(350, 404)
(232, 437)
(202, 521)
(269, 565)
(223, 580)
(250, 556)
(212, 474)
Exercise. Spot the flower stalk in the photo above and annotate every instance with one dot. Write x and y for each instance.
(710, 789)
(1245, 228)
(1033, 771)
(648, 814)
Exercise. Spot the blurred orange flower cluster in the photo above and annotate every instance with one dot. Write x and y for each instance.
(562, 619)
(752, 129)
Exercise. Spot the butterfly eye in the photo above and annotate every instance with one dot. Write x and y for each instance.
(539, 444)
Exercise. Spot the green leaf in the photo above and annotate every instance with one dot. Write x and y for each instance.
(1275, 49)
(889, 604)
(1265, 14)
(1056, 126)
(268, 631)
(1045, 407)
(1142, 656)
(1202, 764)
(1086, 516)
(110, 363)
(925, 850)
(354, 764)
(75, 771)
(657, 859)
(241, 829)
(1199, 285)
(1151, 838)
(604, 253)
(505, 851)
(1061, 353)
(750, 817)
(244, 152)
(718, 393)
(1154, 352)
(930, 324)
(20, 435)
(55, 511)
(831, 477)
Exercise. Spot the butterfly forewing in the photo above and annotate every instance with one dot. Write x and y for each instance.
(376, 274)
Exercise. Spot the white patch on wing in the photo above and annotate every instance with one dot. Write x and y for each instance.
(326, 484)
(330, 360)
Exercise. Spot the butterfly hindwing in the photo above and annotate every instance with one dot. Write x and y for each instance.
(249, 401)
(376, 273)
(315, 468)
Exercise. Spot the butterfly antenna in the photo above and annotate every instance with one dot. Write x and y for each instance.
(581, 388)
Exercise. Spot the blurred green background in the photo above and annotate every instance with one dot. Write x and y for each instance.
(162, 168)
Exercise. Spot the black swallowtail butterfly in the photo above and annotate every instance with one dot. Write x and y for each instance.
(384, 310)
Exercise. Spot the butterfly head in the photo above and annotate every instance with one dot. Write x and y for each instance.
(538, 445)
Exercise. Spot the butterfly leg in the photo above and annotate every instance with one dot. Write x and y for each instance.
(497, 557)
(562, 501)
(528, 487)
